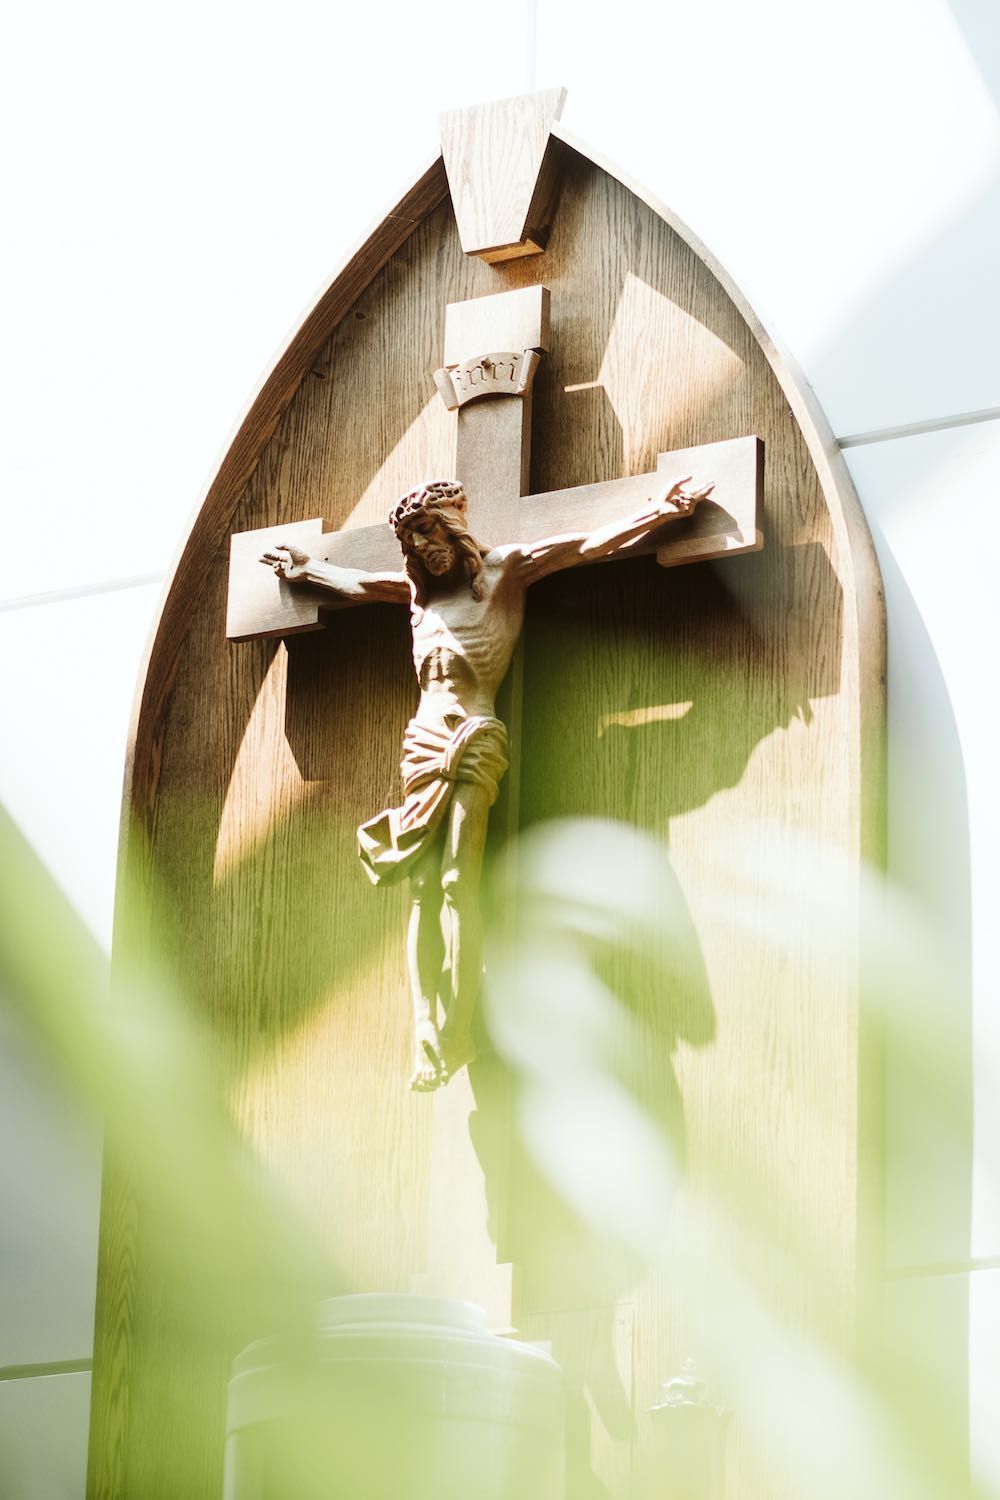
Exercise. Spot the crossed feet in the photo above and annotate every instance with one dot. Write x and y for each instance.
(439, 1056)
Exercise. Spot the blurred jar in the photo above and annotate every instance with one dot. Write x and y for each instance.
(395, 1398)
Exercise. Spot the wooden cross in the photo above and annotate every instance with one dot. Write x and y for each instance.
(492, 347)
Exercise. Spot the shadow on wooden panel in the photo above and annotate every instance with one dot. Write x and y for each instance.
(324, 689)
(579, 1123)
(647, 698)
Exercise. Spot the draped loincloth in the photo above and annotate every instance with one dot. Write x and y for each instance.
(470, 749)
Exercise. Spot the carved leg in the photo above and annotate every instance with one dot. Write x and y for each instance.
(461, 865)
(425, 958)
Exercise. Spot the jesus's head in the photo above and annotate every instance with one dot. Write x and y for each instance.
(430, 524)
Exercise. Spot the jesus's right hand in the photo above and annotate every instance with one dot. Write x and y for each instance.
(287, 561)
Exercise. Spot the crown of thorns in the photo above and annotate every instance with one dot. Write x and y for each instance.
(437, 495)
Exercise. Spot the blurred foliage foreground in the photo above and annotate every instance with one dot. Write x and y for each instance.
(881, 1414)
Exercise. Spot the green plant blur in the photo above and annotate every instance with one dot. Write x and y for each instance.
(617, 1190)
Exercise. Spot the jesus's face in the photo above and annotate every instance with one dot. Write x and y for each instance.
(429, 539)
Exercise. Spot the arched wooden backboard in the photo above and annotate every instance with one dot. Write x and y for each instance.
(704, 706)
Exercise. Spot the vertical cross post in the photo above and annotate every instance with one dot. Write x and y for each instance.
(492, 347)
(491, 350)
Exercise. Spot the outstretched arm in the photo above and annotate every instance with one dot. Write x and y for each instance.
(362, 587)
(618, 537)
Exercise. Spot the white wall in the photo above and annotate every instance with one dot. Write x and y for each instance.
(186, 177)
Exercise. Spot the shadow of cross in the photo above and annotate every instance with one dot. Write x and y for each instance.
(492, 348)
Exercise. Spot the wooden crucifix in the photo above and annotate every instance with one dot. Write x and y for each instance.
(470, 550)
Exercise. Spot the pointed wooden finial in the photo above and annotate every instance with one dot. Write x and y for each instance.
(503, 173)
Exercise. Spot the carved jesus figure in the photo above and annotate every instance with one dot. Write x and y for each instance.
(466, 610)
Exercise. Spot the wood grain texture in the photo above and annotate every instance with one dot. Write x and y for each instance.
(493, 447)
(502, 174)
(517, 319)
(701, 705)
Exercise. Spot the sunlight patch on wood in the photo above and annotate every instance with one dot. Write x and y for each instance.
(265, 784)
(645, 325)
(426, 450)
(632, 718)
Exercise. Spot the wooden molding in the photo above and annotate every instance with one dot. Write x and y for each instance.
(503, 172)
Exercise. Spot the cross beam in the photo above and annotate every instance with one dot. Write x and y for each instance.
(492, 346)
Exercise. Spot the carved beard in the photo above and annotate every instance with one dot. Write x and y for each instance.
(446, 555)
(467, 552)
(423, 581)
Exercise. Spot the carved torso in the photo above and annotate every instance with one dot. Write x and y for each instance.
(462, 646)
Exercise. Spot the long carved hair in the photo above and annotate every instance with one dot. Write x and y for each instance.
(445, 500)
